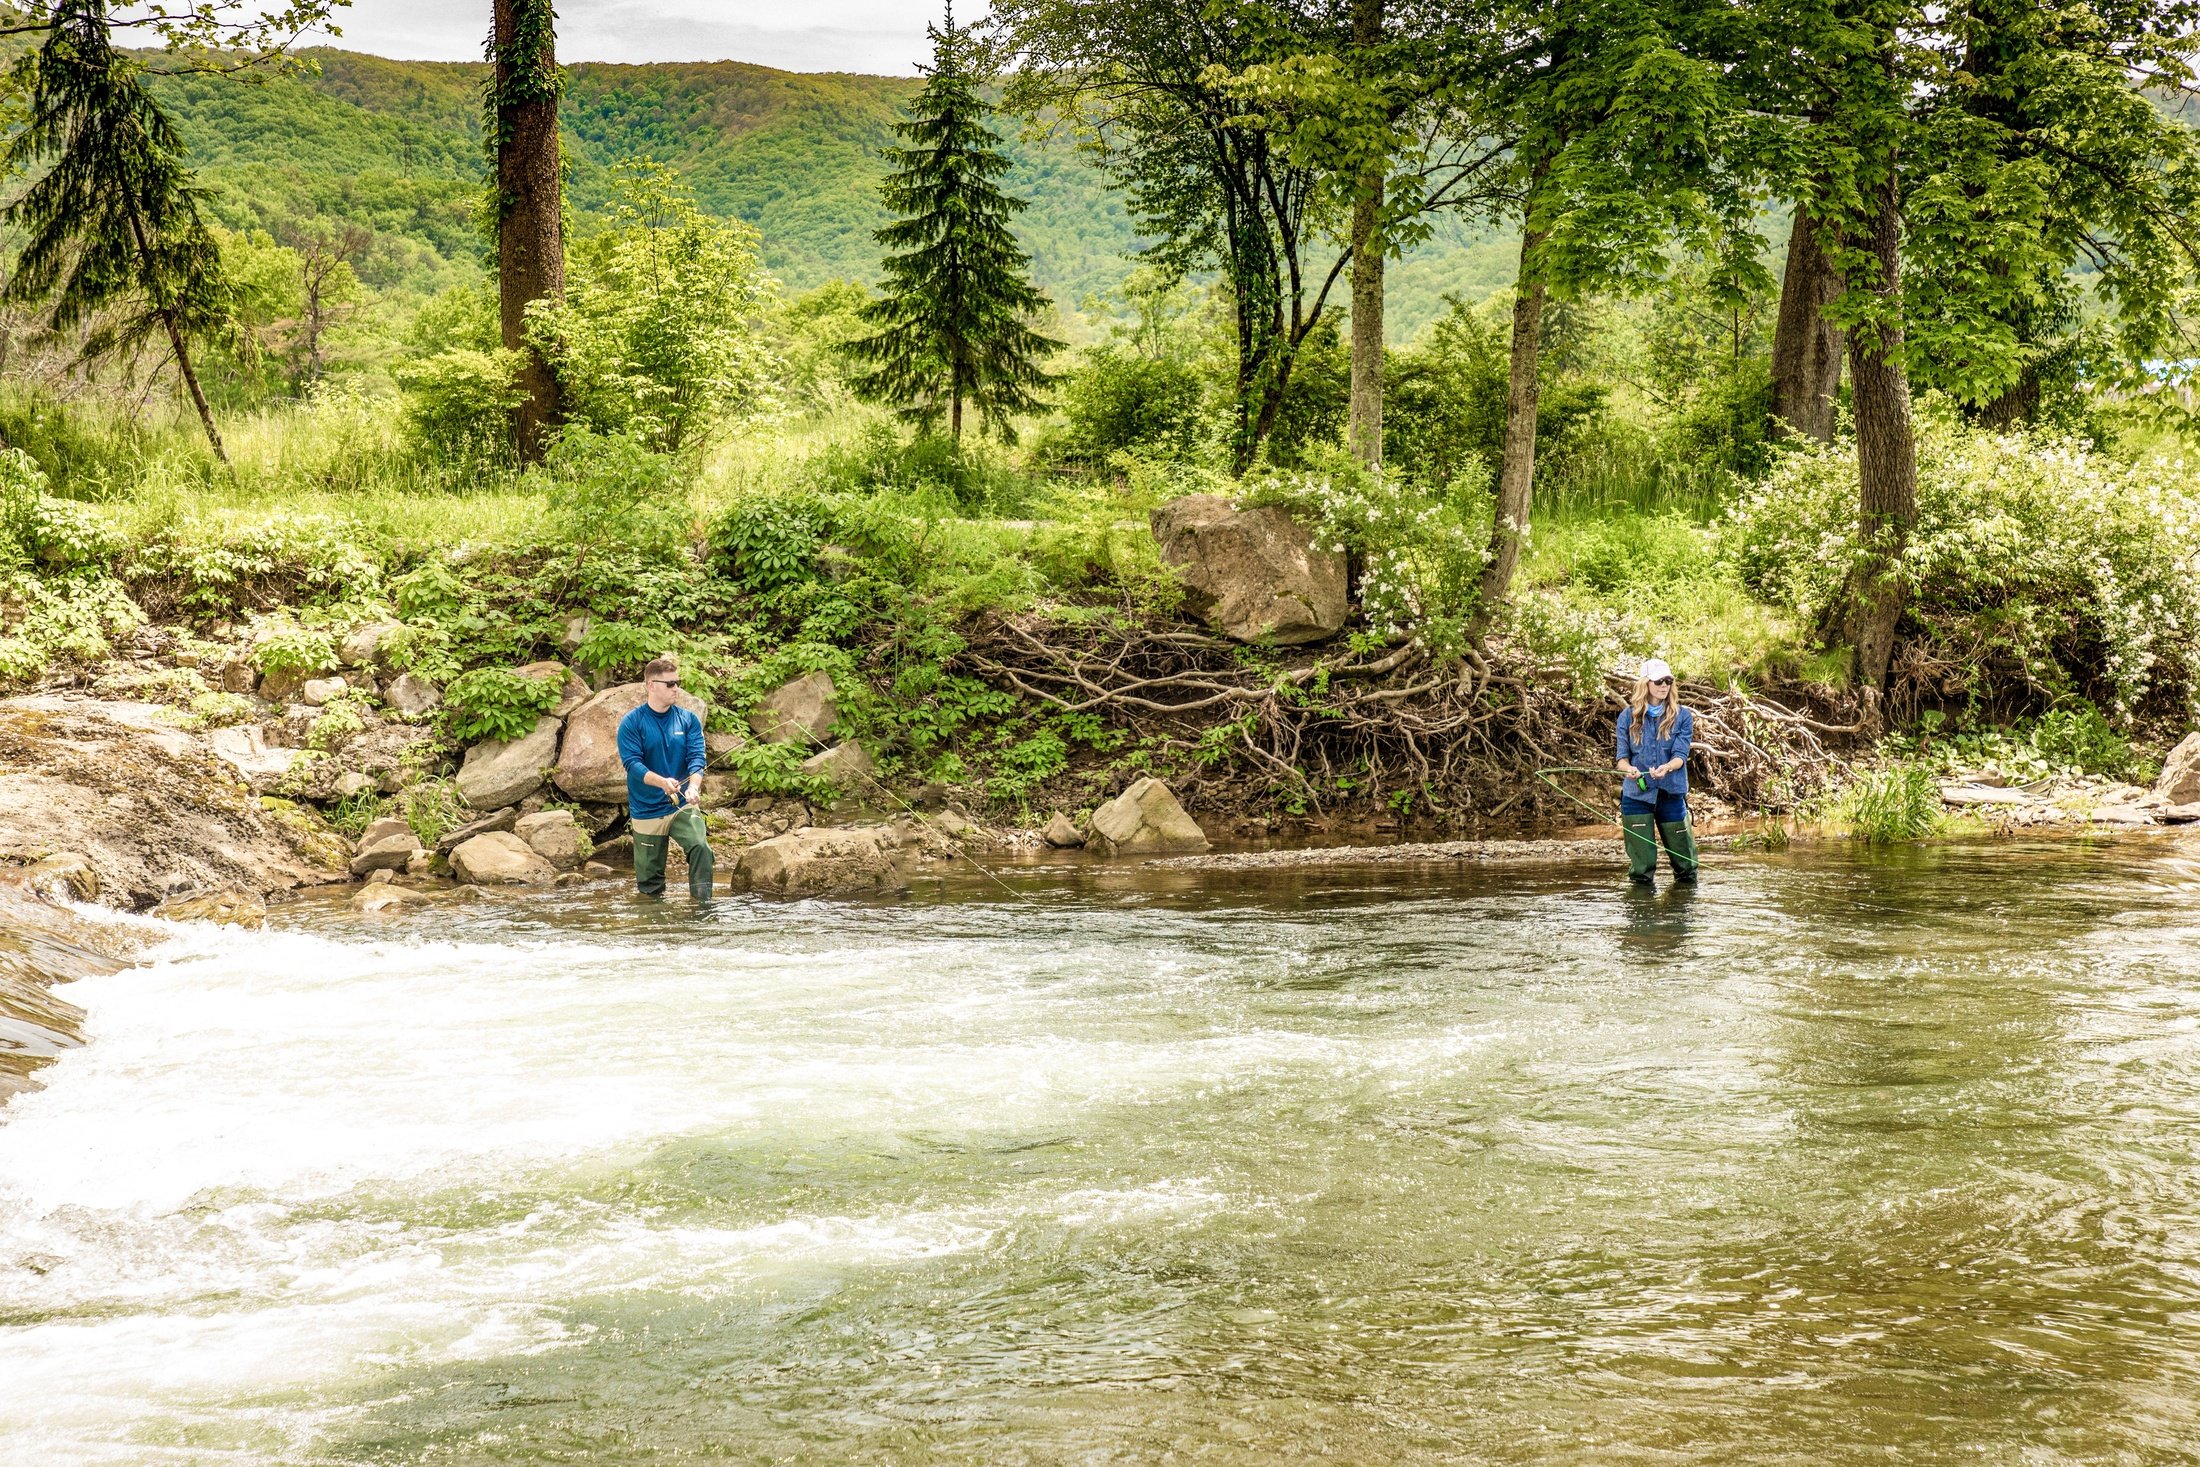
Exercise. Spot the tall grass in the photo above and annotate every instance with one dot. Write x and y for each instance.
(1890, 804)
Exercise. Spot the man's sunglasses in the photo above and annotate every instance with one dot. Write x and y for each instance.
(668, 682)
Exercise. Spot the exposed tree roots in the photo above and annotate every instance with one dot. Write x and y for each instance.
(1321, 730)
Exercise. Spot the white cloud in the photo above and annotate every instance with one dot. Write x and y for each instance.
(875, 36)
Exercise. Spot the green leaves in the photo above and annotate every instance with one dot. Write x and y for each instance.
(495, 703)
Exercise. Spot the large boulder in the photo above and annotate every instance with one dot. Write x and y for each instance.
(799, 712)
(387, 898)
(1255, 575)
(816, 860)
(503, 773)
(1062, 833)
(501, 858)
(1145, 818)
(589, 767)
(2180, 781)
(150, 806)
(556, 837)
(844, 766)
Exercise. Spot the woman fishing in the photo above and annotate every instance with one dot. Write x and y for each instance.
(1654, 736)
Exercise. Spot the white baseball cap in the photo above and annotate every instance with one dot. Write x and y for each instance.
(1654, 668)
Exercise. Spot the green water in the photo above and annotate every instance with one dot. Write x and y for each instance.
(1840, 1159)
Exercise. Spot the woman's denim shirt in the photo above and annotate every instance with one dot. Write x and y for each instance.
(1647, 748)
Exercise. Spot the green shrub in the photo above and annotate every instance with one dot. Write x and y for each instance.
(460, 403)
(41, 533)
(1653, 554)
(289, 647)
(1421, 553)
(612, 490)
(2081, 737)
(2039, 569)
(1890, 804)
(496, 703)
(769, 542)
(1120, 399)
(62, 619)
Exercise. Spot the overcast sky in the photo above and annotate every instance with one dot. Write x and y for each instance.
(879, 36)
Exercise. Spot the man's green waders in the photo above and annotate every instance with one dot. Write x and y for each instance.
(650, 850)
(1644, 832)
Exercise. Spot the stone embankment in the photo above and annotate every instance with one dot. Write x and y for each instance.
(122, 801)
(2174, 800)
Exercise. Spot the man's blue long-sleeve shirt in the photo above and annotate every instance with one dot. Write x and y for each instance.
(1646, 748)
(668, 743)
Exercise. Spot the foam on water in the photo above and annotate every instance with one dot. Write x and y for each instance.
(325, 1196)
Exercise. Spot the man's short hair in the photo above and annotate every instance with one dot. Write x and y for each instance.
(661, 667)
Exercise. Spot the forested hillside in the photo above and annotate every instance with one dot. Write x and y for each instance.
(396, 145)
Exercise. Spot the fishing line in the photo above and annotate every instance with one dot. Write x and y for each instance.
(1603, 818)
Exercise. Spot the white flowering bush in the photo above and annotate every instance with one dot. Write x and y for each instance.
(2040, 568)
(1420, 552)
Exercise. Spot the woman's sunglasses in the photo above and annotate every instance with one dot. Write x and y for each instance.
(1661, 682)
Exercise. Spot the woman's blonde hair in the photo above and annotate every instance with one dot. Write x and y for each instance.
(1639, 702)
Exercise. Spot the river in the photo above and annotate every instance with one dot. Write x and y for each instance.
(1843, 1158)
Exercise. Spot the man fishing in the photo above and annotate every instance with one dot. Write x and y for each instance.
(1654, 736)
(661, 745)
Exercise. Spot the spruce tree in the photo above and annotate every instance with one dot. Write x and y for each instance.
(115, 237)
(953, 319)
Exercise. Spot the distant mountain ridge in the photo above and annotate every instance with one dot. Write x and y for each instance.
(397, 145)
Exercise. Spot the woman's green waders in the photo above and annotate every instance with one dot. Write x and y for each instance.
(650, 849)
(1644, 832)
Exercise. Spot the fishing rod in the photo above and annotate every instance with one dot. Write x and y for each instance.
(1603, 817)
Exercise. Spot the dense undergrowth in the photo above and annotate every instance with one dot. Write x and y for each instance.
(2047, 576)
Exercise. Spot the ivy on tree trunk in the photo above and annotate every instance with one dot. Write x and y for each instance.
(521, 109)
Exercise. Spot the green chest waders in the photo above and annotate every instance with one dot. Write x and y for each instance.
(1680, 847)
(650, 852)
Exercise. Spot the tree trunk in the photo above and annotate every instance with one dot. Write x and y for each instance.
(1886, 462)
(191, 385)
(176, 341)
(1523, 394)
(1806, 347)
(1365, 430)
(530, 222)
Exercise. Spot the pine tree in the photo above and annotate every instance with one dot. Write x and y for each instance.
(952, 323)
(115, 235)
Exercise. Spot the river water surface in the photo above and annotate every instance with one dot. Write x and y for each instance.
(1841, 1158)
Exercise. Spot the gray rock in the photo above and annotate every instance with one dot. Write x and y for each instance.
(64, 876)
(412, 696)
(238, 677)
(588, 766)
(380, 877)
(282, 686)
(222, 908)
(556, 837)
(799, 712)
(845, 766)
(1062, 833)
(320, 690)
(381, 829)
(426, 863)
(573, 633)
(719, 746)
(1962, 795)
(1146, 817)
(363, 647)
(388, 853)
(1255, 575)
(496, 820)
(245, 748)
(349, 783)
(817, 860)
(501, 858)
(2180, 781)
(372, 900)
(505, 773)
